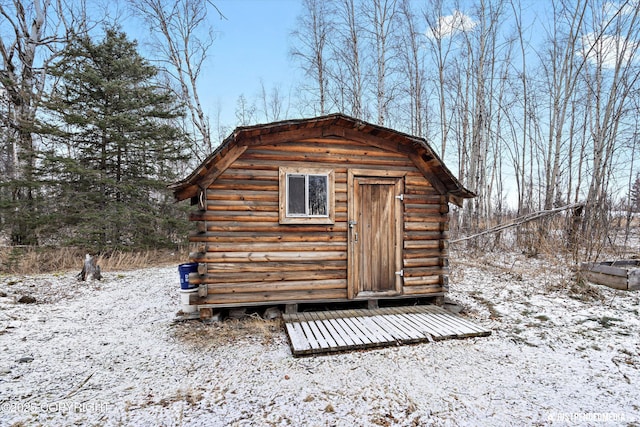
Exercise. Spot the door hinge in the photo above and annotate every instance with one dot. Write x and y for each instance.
(401, 197)
(400, 273)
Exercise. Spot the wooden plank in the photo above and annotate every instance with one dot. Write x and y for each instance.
(453, 323)
(424, 280)
(424, 290)
(326, 333)
(344, 336)
(431, 332)
(274, 256)
(459, 328)
(281, 297)
(342, 330)
(381, 333)
(362, 333)
(605, 269)
(346, 333)
(443, 331)
(415, 320)
(399, 334)
(633, 280)
(457, 319)
(231, 268)
(407, 325)
(370, 329)
(277, 246)
(317, 333)
(308, 333)
(334, 339)
(216, 288)
(258, 278)
(454, 318)
(298, 340)
(271, 227)
(353, 332)
(359, 331)
(617, 282)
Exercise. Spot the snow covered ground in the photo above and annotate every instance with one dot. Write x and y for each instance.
(108, 353)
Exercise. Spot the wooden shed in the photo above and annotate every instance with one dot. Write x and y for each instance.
(324, 209)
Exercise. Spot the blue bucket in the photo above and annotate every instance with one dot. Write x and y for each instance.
(185, 270)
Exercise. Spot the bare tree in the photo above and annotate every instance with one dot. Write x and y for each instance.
(312, 33)
(441, 32)
(346, 47)
(34, 35)
(183, 38)
(245, 111)
(562, 70)
(382, 23)
(611, 74)
(272, 102)
(411, 52)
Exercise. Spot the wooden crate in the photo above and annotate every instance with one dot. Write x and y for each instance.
(623, 274)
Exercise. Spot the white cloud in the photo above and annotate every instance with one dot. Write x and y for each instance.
(451, 24)
(612, 8)
(607, 49)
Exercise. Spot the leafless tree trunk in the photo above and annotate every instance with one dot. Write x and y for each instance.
(346, 51)
(440, 45)
(563, 73)
(381, 17)
(245, 111)
(272, 103)
(413, 67)
(611, 75)
(32, 37)
(312, 34)
(183, 38)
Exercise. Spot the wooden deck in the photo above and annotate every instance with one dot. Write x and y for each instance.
(342, 330)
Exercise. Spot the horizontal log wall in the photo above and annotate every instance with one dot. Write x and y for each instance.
(252, 259)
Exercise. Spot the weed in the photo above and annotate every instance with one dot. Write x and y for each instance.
(578, 288)
(34, 260)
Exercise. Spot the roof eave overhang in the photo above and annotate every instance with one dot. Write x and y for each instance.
(422, 155)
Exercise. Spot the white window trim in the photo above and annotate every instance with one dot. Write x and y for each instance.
(285, 217)
(306, 195)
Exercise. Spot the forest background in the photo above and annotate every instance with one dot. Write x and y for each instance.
(533, 108)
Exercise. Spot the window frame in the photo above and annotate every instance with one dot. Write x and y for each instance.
(285, 217)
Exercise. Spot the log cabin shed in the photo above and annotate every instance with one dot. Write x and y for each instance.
(326, 209)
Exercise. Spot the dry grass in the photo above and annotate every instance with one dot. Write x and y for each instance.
(209, 335)
(34, 260)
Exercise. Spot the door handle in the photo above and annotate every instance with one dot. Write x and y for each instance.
(352, 223)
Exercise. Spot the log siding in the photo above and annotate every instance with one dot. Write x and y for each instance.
(247, 256)
(252, 258)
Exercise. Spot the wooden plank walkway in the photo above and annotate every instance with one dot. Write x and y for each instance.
(342, 330)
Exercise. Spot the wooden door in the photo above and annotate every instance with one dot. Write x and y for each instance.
(375, 236)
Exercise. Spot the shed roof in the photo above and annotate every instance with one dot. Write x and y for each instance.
(333, 125)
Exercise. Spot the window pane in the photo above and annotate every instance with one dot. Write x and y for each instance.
(318, 195)
(295, 196)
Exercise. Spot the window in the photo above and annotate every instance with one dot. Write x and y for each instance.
(306, 196)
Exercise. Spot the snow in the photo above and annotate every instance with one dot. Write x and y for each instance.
(109, 353)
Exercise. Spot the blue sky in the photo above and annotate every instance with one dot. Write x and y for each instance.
(251, 44)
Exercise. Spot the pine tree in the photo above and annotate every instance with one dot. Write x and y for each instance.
(114, 142)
